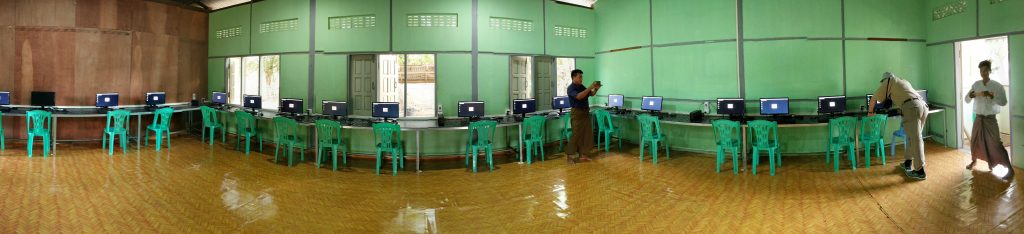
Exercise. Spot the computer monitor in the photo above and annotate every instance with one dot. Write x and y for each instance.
(385, 110)
(291, 106)
(615, 100)
(831, 104)
(335, 108)
(561, 102)
(256, 102)
(156, 98)
(471, 110)
(879, 105)
(106, 100)
(44, 99)
(5, 98)
(650, 103)
(219, 98)
(731, 106)
(774, 106)
(524, 106)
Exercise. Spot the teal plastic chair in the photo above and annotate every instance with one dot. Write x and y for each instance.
(606, 129)
(2, 146)
(727, 137)
(898, 134)
(650, 129)
(871, 134)
(245, 127)
(328, 136)
(765, 137)
(38, 125)
(116, 126)
(566, 133)
(161, 125)
(840, 134)
(211, 122)
(389, 139)
(484, 132)
(533, 137)
(286, 134)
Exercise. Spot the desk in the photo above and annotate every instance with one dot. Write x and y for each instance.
(92, 112)
(800, 122)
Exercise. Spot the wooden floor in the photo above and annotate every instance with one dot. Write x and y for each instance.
(194, 187)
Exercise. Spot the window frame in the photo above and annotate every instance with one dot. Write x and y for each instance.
(241, 79)
(404, 78)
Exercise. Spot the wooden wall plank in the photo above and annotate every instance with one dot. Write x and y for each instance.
(8, 11)
(44, 61)
(59, 13)
(106, 14)
(7, 59)
(101, 64)
(150, 17)
(154, 64)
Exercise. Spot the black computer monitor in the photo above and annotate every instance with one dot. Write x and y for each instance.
(524, 106)
(560, 102)
(385, 110)
(731, 106)
(291, 106)
(335, 108)
(650, 103)
(5, 98)
(831, 104)
(254, 102)
(615, 100)
(879, 105)
(106, 100)
(219, 98)
(471, 110)
(775, 106)
(44, 99)
(156, 98)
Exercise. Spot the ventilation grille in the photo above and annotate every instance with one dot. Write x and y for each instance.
(279, 26)
(229, 32)
(511, 24)
(563, 31)
(433, 20)
(350, 22)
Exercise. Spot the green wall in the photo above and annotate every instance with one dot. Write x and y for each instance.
(216, 75)
(1017, 95)
(391, 34)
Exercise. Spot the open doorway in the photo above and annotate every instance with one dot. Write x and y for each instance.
(969, 54)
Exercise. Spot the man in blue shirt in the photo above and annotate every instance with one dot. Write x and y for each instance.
(582, 139)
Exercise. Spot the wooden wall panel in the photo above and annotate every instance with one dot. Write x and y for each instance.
(44, 61)
(151, 17)
(7, 13)
(154, 64)
(45, 12)
(106, 14)
(189, 72)
(7, 58)
(100, 56)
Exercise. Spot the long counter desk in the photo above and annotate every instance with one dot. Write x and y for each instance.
(798, 121)
(92, 112)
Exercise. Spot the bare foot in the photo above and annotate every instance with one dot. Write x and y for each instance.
(585, 159)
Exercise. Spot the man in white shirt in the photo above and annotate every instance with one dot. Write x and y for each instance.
(989, 97)
(915, 113)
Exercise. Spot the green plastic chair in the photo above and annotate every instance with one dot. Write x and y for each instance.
(38, 124)
(566, 130)
(285, 131)
(870, 134)
(116, 128)
(727, 137)
(2, 146)
(650, 129)
(533, 137)
(245, 126)
(484, 132)
(161, 125)
(210, 121)
(606, 128)
(840, 134)
(389, 139)
(328, 136)
(765, 137)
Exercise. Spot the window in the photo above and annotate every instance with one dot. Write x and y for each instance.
(254, 75)
(565, 67)
(409, 80)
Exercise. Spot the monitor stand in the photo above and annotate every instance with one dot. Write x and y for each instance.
(254, 112)
(4, 109)
(103, 110)
(737, 118)
(152, 107)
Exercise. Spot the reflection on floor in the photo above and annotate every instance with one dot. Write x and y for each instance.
(194, 187)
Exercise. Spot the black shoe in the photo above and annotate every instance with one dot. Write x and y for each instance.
(905, 165)
(918, 174)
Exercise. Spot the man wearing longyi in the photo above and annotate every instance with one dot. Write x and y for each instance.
(915, 112)
(989, 97)
(582, 140)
